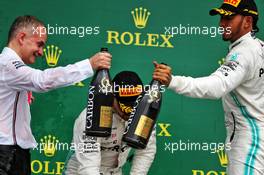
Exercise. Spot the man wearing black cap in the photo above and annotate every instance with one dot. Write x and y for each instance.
(240, 83)
(241, 16)
(106, 156)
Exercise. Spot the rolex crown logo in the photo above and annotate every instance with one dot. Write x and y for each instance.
(52, 55)
(222, 158)
(49, 144)
(140, 17)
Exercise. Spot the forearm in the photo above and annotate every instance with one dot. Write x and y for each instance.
(211, 87)
(62, 76)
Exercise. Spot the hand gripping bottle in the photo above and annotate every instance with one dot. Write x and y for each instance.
(143, 117)
(100, 102)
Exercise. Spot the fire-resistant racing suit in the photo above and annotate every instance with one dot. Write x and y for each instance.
(106, 156)
(240, 83)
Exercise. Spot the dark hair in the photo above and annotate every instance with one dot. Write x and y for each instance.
(255, 27)
(23, 22)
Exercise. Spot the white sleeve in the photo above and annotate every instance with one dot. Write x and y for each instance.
(225, 79)
(88, 151)
(19, 76)
(144, 158)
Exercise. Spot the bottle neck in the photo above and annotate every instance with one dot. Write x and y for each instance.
(155, 83)
(104, 71)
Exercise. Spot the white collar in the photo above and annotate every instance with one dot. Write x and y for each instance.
(238, 41)
(10, 52)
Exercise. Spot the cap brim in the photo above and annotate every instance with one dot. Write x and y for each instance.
(221, 11)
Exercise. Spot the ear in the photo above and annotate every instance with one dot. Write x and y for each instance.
(248, 22)
(21, 37)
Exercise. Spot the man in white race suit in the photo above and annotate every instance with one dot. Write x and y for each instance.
(240, 84)
(106, 156)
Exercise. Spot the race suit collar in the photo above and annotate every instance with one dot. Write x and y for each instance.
(11, 53)
(238, 41)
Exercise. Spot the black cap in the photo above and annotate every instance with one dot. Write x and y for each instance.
(233, 7)
(127, 87)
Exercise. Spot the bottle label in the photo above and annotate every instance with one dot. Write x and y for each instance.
(132, 114)
(90, 107)
(144, 126)
(106, 117)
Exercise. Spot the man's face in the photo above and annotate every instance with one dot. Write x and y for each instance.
(233, 26)
(32, 46)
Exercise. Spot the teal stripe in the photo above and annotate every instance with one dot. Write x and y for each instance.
(255, 137)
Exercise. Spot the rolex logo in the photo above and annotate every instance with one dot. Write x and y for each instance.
(52, 55)
(222, 158)
(127, 38)
(49, 144)
(140, 17)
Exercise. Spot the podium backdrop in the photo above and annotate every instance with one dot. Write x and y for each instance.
(189, 131)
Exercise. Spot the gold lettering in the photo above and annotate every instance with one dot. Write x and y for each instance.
(46, 170)
(152, 40)
(166, 41)
(137, 43)
(130, 38)
(212, 173)
(201, 172)
(164, 131)
(38, 164)
(112, 35)
(60, 166)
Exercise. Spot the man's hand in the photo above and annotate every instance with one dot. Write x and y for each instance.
(162, 73)
(101, 60)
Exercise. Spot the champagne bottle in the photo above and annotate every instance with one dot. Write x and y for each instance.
(143, 117)
(100, 102)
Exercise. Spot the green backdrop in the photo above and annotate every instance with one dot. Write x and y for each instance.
(182, 120)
